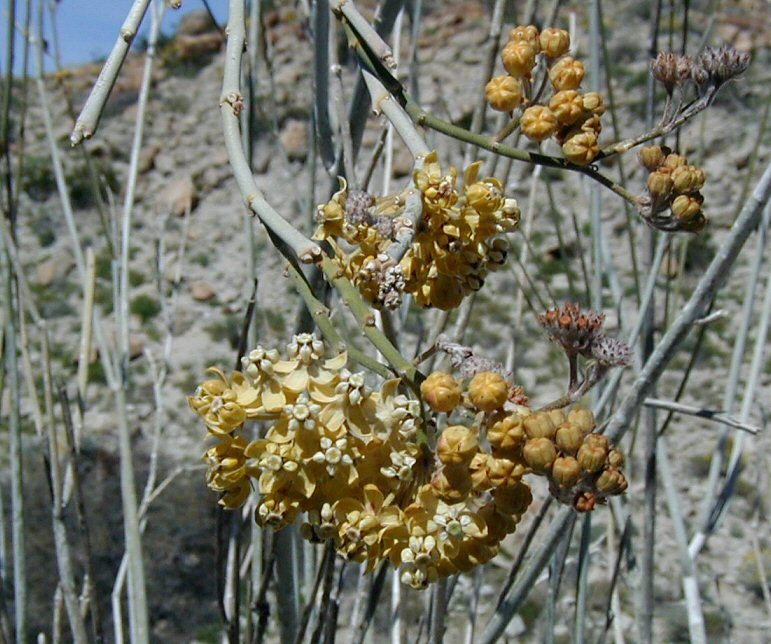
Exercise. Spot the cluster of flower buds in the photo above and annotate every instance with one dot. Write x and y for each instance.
(672, 185)
(571, 118)
(457, 239)
(356, 462)
(706, 72)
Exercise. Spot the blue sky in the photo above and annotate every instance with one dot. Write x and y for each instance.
(88, 28)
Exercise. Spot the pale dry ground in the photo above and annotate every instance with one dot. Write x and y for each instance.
(184, 140)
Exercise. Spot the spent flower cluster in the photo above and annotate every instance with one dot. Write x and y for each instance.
(361, 468)
(572, 118)
(457, 238)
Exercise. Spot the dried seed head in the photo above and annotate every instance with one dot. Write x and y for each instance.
(612, 352)
(664, 69)
(572, 328)
(723, 63)
(357, 207)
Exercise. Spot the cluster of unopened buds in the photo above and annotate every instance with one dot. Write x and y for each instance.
(458, 237)
(673, 187)
(570, 117)
(364, 468)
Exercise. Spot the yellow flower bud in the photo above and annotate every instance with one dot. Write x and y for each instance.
(615, 459)
(675, 160)
(503, 93)
(457, 445)
(685, 207)
(506, 436)
(514, 499)
(445, 292)
(582, 148)
(525, 33)
(485, 196)
(488, 391)
(567, 106)
(554, 42)
(582, 418)
(518, 58)
(594, 103)
(591, 456)
(652, 156)
(538, 122)
(687, 178)
(611, 481)
(503, 472)
(451, 484)
(441, 392)
(569, 437)
(478, 471)
(660, 183)
(566, 73)
(566, 471)
(557, 416)
(539, 454)
(539, 425)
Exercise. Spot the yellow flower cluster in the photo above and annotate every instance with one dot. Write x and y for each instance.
(356, 461)
(673, 184)
(572, 118)
(457, 238)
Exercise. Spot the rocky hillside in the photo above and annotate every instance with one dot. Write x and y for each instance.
(191, 282)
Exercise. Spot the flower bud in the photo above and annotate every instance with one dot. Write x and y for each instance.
(594, 103)
(497, 523)
(441, 392)
(488, 391)
(503, 93)
(518, 58)
(557, 416)
(554, 42)
(539, 425)
(660, 183)
(582, 418)
(581, 149)
(569, 438)
(230, 415)
(687, 178)
(685, 207)
(503, 472)
(652, 156)
(478, 471)
(538, 122)
(611, 481)
(507, 435)
(514, 499)
(457, 445)
(485, 196)
(566, 471)
(445, 292)
(525, 33)
(567, 106)
(566, 73)
(675, 160)
(539, 454)
(591, 457)
(451, 484)
(615, 459)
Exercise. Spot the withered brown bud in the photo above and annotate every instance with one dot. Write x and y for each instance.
(514, 499)
(585, 502)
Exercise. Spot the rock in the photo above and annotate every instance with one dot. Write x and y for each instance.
(146, 159)
(402, 163)
(179, 196)
(53, 268)
(136, 346)
(294, 138)
(194, 47)
(201, 291)
(195, 23)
